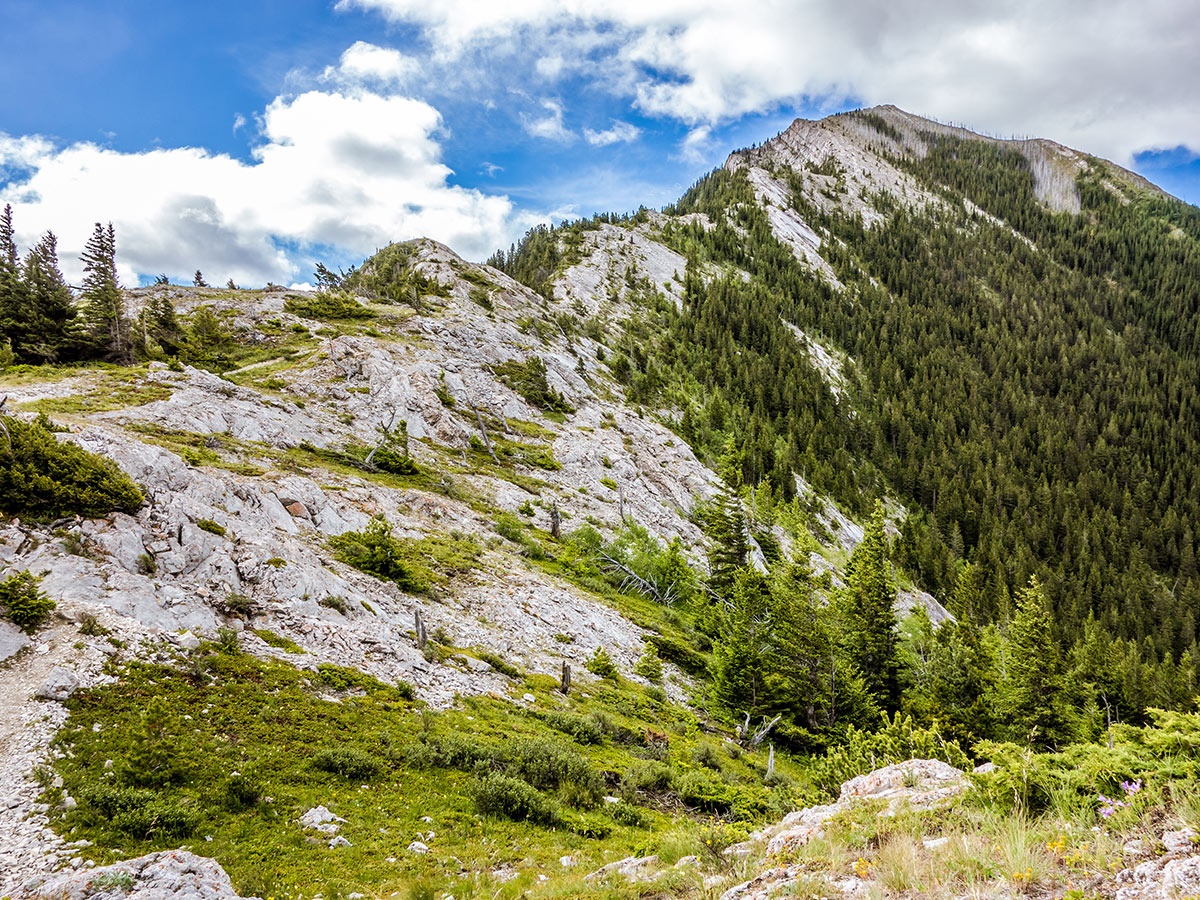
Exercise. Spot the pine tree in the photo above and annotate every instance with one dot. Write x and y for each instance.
(50, 309)
(198, 279)
(869, 638)
(13, 305)
(102, 307)
(744, 654)
(1033, 701)
(725, 527)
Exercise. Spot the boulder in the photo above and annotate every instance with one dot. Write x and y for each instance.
(173, 873)
(59, 684)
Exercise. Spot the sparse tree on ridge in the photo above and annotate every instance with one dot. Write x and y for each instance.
(103, 308)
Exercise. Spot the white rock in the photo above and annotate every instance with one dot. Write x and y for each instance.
(59, 684)
(417, 847)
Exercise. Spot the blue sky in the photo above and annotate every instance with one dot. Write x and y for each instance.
(252, 138)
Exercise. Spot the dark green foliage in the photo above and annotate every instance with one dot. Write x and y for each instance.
(142, 814)
(346, 762)
(242, 791)
(211, 527)
(102, 307)
(687, 658)
(22, 601)
(153, 759)
(389, 276)
(868, 632)
(327, 306)
(583, 729)
(499, 663)
(601, 664)
(626, 814)
(529, 380)
(500, 795)
(548, 765)
(43, 477)
(377, 553)
(1034, 704)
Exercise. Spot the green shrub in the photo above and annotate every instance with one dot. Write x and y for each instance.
(450, 751)
(687, 658)
(242, 791)
(147, 564)
(627, 814)
(335, 602)
(140, 813)
(898, 740)
(601, 664)
(499, 663)
(331, 307)
(279, 642)
(529, 380)
(23, 601)
(647, 776)
(501, 795)
(589, 826)
(583, 729)
(650, 666)
(546, 765)
(509, 526)
(44, 478)
(377, 553)
(211, 527)
(351, 764)
(702, 791)
(343, 678)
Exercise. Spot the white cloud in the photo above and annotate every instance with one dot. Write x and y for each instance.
(343, 168)
(550, 126)
(369, 64)
(696, 144)
(1109, 76)
(620, 133)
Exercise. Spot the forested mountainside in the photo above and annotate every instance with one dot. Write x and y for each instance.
(657, 557)
(1022, 375)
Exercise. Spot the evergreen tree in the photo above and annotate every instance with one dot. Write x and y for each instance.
(725, 527)
(744, 655)
(102, 307)
(868, 638)
(198, 279)
(1033, 701)
(13, 304)
(50, 309)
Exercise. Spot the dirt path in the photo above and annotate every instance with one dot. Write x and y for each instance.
(27, 846)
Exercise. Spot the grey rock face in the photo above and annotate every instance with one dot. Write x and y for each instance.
(174, 873)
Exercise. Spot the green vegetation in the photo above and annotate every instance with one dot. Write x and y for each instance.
(412, 564)
(278, 641)
(529, 380)
(22, 601)
(43, 477)
(330, 307)
(238, 748)
(211, 527)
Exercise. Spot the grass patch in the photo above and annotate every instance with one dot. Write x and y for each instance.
(278, 641)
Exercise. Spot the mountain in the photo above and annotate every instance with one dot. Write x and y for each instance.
(632, 546)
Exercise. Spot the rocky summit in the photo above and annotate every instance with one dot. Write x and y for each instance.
(828, 533)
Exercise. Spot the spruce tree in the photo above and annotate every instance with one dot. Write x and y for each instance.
(102, 307)
(1034, 701)
(12, 290)
(49, 307)
(725, 527)
(869, 638)
(744, 654)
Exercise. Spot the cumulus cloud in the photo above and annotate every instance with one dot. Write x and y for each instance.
(620, 133)
(1110, 76)
(344, 168)
(549, 126)
(369, 64)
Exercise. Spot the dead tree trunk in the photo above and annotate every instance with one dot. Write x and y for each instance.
(487, 442)
(565, 686)
(419, 627)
